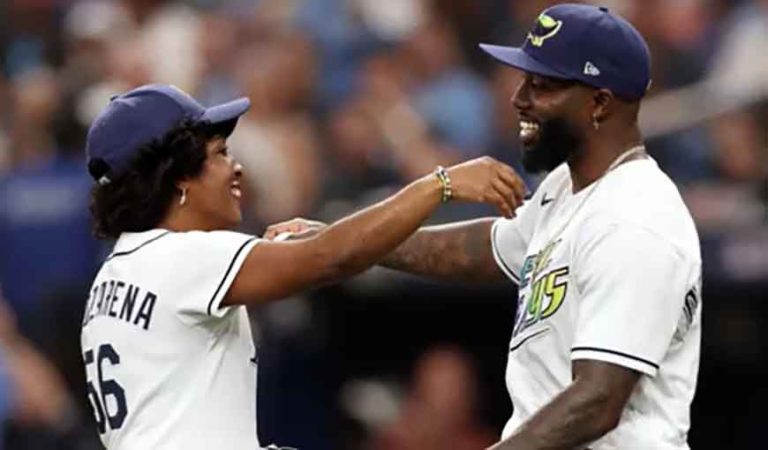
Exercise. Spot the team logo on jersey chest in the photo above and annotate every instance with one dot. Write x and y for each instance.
(547, 291)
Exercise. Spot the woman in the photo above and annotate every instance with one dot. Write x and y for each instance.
(166, 340)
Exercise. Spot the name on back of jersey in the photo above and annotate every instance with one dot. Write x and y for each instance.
(122, 301)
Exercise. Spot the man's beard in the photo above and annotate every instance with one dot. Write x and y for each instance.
(556, 142)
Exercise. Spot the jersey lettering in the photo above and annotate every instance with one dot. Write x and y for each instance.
(688, 314)
(547, 293)
(111, 299)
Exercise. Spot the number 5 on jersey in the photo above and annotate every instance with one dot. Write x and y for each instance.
(547, 294)
(107, 389)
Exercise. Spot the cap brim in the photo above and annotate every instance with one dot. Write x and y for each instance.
(517, 58)
(226, 113)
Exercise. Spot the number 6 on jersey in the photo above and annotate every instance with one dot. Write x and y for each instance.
(107, 388)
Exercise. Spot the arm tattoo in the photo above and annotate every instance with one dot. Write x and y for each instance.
(460, 251)
(568, 422)
(585, 411)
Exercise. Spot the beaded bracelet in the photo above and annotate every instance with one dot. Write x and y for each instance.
(445, 182)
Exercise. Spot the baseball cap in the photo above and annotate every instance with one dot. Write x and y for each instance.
(142, 115)
(586, 43)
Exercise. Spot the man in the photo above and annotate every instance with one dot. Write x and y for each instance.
(167, 346)
(605, 348)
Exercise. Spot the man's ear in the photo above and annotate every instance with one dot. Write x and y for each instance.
(603, 102)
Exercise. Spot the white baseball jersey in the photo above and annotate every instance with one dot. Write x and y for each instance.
(166, 366)
(621, 283)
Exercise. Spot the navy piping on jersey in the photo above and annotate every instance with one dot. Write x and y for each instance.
(510, 273)
(226, 274)
(527, 338)
(128, 252)
(614, 352)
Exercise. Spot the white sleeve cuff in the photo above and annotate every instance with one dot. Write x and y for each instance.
(497, 256)
(615, 357)
(229, 276)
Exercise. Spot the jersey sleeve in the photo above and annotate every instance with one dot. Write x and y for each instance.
(510, 237)
(632, 286)
(509, 241)
(208, 264)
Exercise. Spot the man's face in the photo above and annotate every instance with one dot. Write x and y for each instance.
(553, 116)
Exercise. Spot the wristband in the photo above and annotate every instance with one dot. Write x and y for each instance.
(445, 182)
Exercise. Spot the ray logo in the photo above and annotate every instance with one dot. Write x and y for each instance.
(544, 28)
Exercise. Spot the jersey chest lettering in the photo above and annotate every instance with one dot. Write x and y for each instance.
(122, 301)
(542, 288)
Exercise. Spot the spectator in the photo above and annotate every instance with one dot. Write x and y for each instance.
(453, 100)
(45, 239)
(277, 140)
(32, 393)
(441, 409)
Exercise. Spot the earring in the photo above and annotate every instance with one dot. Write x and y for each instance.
(183, 198)
(595, 123)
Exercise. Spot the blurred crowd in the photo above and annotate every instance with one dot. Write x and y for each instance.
(351, 99)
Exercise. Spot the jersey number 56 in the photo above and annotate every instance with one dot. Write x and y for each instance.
(107, 388)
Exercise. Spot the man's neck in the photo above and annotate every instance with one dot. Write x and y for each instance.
(597, 155)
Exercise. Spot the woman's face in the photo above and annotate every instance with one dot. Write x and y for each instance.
(215, 194)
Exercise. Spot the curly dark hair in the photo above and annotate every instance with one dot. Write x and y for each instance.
(138, 197)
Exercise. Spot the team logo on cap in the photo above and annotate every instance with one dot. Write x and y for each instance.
(544, 28)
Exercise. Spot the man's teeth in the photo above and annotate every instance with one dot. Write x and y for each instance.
(528, 129)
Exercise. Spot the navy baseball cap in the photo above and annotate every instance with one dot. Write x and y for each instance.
(584, 43)
(145, 114)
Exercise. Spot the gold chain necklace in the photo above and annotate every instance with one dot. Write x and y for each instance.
(545, 251)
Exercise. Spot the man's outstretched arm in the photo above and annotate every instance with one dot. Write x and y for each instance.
(458, 251)
(585, 411)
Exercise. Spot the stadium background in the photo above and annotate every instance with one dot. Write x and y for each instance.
(352, 98)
